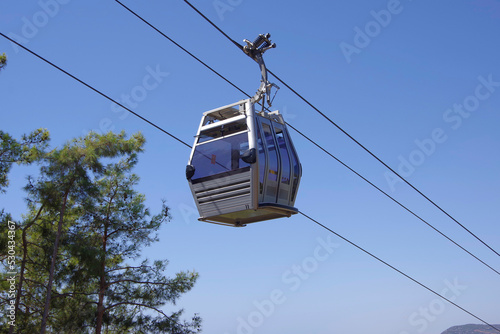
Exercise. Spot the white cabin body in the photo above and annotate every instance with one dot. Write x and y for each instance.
(243, 167)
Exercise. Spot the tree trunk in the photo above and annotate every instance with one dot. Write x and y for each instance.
(23, 267)
(53, 264)
(102, 284)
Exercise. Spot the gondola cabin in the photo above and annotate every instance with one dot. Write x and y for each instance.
(243, 167)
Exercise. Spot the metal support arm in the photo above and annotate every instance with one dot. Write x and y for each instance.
(255, 50)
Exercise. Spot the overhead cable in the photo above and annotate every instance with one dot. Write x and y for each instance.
(399, 271)
(173, 137)
(95, 90)
(348, 135)
(310, 140)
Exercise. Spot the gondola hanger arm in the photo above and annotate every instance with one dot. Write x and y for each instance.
(255, 50)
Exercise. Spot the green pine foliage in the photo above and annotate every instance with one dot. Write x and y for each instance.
(25, 151)
(3, 60)
(80, 245)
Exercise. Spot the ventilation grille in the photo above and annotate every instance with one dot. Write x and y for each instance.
(224, 195)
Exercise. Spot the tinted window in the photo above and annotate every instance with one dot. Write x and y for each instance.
(272, 163)
(296, 170)
(220, 155)
(285, 160)
(262, 162)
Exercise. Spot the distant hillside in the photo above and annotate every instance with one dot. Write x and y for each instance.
(471, 329)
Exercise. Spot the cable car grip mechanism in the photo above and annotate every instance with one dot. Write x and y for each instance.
(255, 50)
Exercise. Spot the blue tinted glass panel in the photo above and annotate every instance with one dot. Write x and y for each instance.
(219, 156)
(285, 160)
(296, 169)
(262, 162)
(272, 163)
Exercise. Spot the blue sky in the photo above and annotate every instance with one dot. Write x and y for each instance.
(417, 82)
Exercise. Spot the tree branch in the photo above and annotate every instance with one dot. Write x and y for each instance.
(138, 282)
(136, 304)
(129, 267)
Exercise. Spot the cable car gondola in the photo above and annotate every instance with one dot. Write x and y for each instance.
(243, 167)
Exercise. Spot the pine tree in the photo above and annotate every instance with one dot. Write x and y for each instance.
(80, 247)
(119, 228)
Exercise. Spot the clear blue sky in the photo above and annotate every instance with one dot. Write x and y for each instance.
(417, 82)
